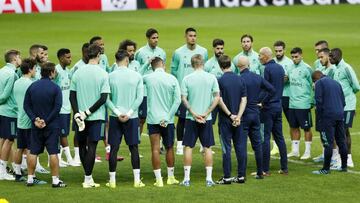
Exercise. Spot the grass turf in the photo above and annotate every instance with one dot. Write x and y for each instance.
(296, 25)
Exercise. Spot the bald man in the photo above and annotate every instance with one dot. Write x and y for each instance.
(250, 121)
(271, 116)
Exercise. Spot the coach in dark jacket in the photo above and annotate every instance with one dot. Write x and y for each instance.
(330, 102)
(43, 101)
(271, 113)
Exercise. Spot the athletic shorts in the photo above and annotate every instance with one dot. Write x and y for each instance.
(143, 109)
(194, 130)
(41, 138)
(167, 134)
(348, 118)
(181, 112)
(23, 138)
(129, 129)
(64, 124)
(8, 128)
(300, 118)
(94, 131)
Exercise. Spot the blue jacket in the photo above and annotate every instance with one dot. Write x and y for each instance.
(258, 90)
(329, 100)
(274, 74)
(43, 99)
(232, 89)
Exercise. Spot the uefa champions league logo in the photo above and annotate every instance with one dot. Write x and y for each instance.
(119, 3)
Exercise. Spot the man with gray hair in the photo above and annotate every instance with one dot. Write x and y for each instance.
(271, 113)
(200, 95)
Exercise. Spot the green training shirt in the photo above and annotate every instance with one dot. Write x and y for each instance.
(163, 98)
(127, 91)
(301, 91)
(89, 82)
(287, 65)
(212, 66)
(345, 75)
(181, 61)
(8, 77)
(63, 81)
(255, 65)
(199, 88)
(20, 87)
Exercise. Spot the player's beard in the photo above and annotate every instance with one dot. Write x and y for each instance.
(217, 55)
(325, 64)
(279, 58)
(38, 60)
(131, 58)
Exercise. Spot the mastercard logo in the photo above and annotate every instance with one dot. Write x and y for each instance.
(164, 4)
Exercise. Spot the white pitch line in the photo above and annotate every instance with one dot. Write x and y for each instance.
(309, 164)
(297, 162)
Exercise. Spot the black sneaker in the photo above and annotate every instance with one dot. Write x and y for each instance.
(59, 185)
(259, 177)
(238, 180)
(30, 184)
(20, 178)
(10, 171)
(283, 172)
(343, 170)
(224, 181)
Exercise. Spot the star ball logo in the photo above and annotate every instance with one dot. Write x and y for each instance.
(164, 4)
(119, 3)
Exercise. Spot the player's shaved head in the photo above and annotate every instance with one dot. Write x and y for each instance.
(266, 51)
(265, 55)
(316, 75)
(243, 62)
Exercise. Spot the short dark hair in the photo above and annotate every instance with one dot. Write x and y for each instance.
(156, 61)
(9, 55)
(320, 42)
(125, 43)
(121, 55)
(217, 42)
(93, 51)
(27, 65)
(247, 35)
(85, 46)
(279, 43)
(325, 50)
(46, 69)
(61, 52)
(45, 48)
(224, 61)
(190, 29)
(150, 32)
(94, 39)
(34, 47)
(336, 52)
(296, 50)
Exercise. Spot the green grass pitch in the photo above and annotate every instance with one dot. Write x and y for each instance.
(296, 25)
